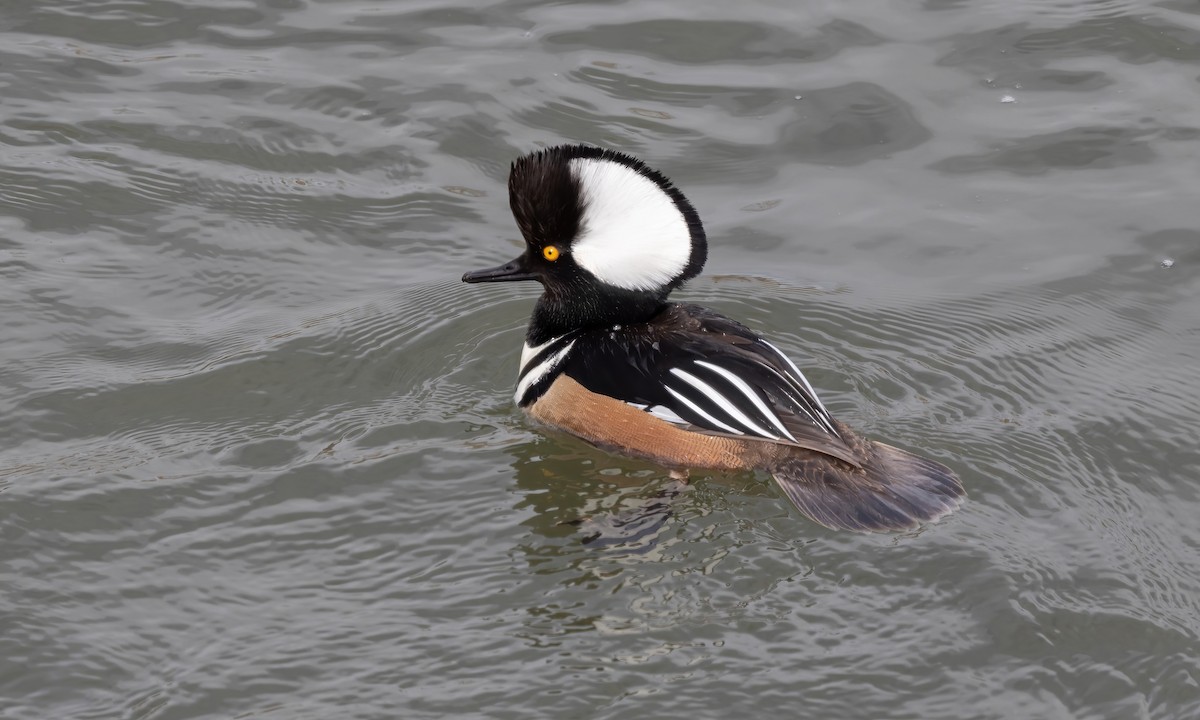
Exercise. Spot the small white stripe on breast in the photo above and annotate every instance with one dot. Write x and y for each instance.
(539, 371)
(740, 384)
(711, 393)
(696, 409)
(529, 353)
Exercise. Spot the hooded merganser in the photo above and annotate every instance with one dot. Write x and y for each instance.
(609, 360)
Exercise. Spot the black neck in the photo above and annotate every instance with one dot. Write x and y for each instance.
(584, 306)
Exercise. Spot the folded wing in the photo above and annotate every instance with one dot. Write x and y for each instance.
(701, 370)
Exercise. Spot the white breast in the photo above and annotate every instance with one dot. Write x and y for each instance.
(537, 365)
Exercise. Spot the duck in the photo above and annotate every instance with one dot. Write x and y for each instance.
(609, 359)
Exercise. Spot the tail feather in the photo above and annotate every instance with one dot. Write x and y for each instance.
(893, 490)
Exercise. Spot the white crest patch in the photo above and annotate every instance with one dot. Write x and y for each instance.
(632, 235)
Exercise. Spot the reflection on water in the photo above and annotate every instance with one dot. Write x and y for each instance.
(260, 453)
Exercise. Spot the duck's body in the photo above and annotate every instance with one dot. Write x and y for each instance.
(610, 361)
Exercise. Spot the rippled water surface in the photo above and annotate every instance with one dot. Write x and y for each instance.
(260, 457)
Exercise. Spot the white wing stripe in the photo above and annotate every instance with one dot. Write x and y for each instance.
(825, 419)
(696, 409)
(812, 393)
(666, 413)
(810, 409)
(805, 406)
(798, 395)
(661, 412)
(722, 402)
(740, 384)
(539, 371)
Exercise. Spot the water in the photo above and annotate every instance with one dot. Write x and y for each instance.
(260, 456)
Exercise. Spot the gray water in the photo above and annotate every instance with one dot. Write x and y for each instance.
(259, 454)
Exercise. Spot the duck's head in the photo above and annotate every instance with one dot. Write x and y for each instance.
(608, 238)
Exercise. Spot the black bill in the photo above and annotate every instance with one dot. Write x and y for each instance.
(512, 270)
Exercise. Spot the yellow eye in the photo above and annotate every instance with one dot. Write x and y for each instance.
(550, 253)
